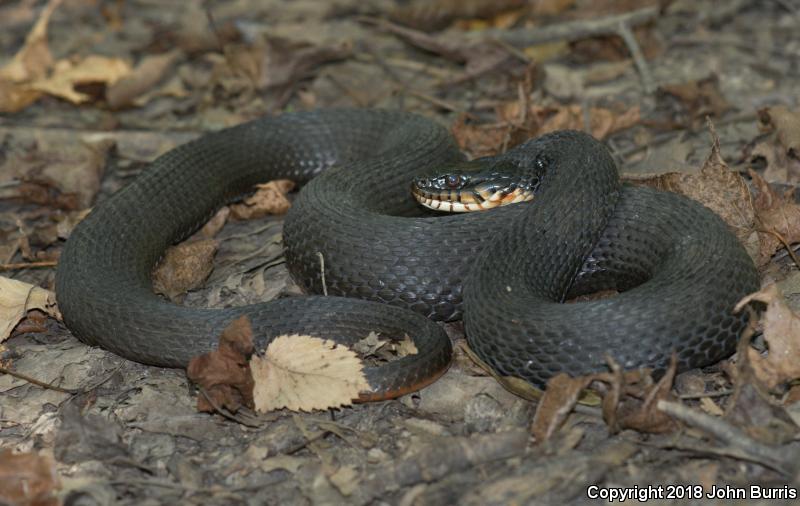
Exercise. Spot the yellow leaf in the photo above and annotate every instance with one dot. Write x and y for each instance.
(306, 373)
(92, 69)
(34, 59)
(17, 298)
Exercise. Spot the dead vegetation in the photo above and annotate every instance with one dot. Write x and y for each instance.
(693, 97)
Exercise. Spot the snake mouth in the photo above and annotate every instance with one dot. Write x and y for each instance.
(456, 201)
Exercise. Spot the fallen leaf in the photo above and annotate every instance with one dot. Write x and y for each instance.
(560, 397)
(306, 373)
(781, 149)
(369, 345)
(224, 374)
(633, 399)
(720, 189)
(147, 74)
(782, 335)
(184, 267)
(28, 479)
(405, 347)
(345, 479)
(34, 59)
(16, 97)
(93, 69)
(518, 121)
(269, 198)
(285, 462)
(778, 216)
(698, 100)
(214, 225)
(17, 298)
(433, 15)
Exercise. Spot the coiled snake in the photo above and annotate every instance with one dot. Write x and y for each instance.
(506, 270)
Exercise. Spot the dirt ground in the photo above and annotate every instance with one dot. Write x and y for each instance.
(91, 90)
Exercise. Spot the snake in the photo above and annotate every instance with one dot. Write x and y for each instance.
(388, 264)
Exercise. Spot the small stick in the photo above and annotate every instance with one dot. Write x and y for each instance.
(783, 240)
(322, 273)
(738, 443)
(624, 31)
(38, 383)
(571, 30)
(27, 265)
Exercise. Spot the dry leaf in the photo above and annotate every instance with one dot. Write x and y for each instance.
(406, 347)
(184, 267)
(306, 373)
(699, 99)
(633, 399)
(369, 345)
(436, 14)
(15, 97)
(781, 150)
(224, 374)
(269, 198)
(34, 59)
(93, 69)
(147, 74)
(345, 479)
(518, 121)
(720, 189)
(17, 298)
(777, 214)
(28, 479)
(560, 396)
(782, 334)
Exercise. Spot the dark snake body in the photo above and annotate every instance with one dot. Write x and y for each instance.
(506, 269)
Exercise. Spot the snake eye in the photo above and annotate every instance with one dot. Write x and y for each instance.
(453, 181)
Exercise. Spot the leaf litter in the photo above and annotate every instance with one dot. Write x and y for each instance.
(465, 63)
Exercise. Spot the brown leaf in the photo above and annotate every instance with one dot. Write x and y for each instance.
(720, 189)
(17, 298)
(633, 399)
(518, 121)
(34, 59)
(782, 335)
(184, 267)
(28, 479)
(698, 99)
(92, 70)
(560, 397)
(306, 373)
(777, 214)
(15, 97)
(781, 149)
(270, 198)
(224, 374)
(147, 74)
(436, 14)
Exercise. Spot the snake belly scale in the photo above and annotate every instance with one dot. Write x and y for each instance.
(395, 268)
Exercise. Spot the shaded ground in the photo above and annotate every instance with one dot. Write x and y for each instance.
(496, 72)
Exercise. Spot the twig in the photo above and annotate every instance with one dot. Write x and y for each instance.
(433, 100)
(572, 30)
(624, 31)
(38, 383)
(737, 443)
(225, 413)
(785, 243)
(719, 393)
(28, 265)
(322, 273)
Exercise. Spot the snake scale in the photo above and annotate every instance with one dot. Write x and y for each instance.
(395, 268)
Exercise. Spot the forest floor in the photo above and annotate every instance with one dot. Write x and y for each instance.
(694, 96)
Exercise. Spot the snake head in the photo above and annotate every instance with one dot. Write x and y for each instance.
(482, 184)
